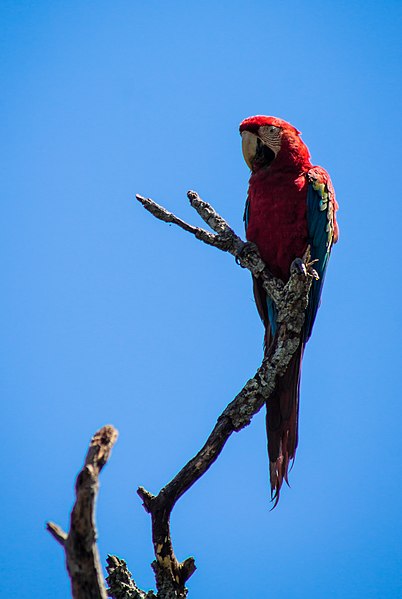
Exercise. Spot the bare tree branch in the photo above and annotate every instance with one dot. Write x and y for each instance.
(121, 583)
(224, 239)
(82, 555)
(57, 532)
(291, 301)
(171, 575)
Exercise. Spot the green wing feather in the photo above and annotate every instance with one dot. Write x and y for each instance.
(323, 233)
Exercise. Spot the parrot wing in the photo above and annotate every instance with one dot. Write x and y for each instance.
(323, 233)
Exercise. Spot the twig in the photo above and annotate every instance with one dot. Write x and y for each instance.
(80, 547)
(57, 532)
(224, 239)
(291, 301)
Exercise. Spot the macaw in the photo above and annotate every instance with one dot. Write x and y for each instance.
(290, 205)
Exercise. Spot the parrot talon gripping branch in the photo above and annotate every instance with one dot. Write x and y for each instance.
(290, 226)
(248, 247)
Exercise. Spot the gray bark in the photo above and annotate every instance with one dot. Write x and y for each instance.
(171, 575)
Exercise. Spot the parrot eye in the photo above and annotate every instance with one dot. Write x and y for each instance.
(271, 137)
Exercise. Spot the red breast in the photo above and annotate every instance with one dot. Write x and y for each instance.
(277, 218)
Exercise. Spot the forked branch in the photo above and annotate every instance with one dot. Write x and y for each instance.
(291, 301)
(82, 557)
(171, 575)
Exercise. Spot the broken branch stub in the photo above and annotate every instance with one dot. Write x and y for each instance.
(82, 556)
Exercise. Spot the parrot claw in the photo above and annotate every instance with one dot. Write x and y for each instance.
(307, 255)
(298, 267)
(308, 264)
(311, 271)
(247, 248)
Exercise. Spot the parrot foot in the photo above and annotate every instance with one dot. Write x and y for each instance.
(298, 267)
(301, 267)
(248, 247)
(311, 271)
(308, 263)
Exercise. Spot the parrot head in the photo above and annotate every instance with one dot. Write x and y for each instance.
(267, 139)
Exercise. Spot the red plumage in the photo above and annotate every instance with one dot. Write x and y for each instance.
(277, 222)
(277, 219)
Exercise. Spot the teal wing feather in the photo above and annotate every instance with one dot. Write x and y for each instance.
(323, 233)
(246, 214)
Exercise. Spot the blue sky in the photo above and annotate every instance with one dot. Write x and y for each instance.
(109, 316)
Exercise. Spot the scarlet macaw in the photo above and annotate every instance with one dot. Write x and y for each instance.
(290, 205)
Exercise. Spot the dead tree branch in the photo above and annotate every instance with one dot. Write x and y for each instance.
(291, 301)
(121, 583)
(224, 239)
(79, 544)
(171, 575)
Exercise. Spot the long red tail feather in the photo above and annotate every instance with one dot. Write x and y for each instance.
(282, 424)
(282, 407)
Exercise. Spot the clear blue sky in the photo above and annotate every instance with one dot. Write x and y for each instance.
(109, 316)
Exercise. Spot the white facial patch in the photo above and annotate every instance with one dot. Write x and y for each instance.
(271, 137)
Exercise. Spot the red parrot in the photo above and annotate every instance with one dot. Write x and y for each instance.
(290, 205)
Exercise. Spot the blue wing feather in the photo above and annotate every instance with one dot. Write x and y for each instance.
(321, 232)
(245, 215)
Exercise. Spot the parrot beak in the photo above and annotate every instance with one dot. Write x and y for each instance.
(249, 147)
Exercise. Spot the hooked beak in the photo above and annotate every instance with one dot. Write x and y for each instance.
(249, 147)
